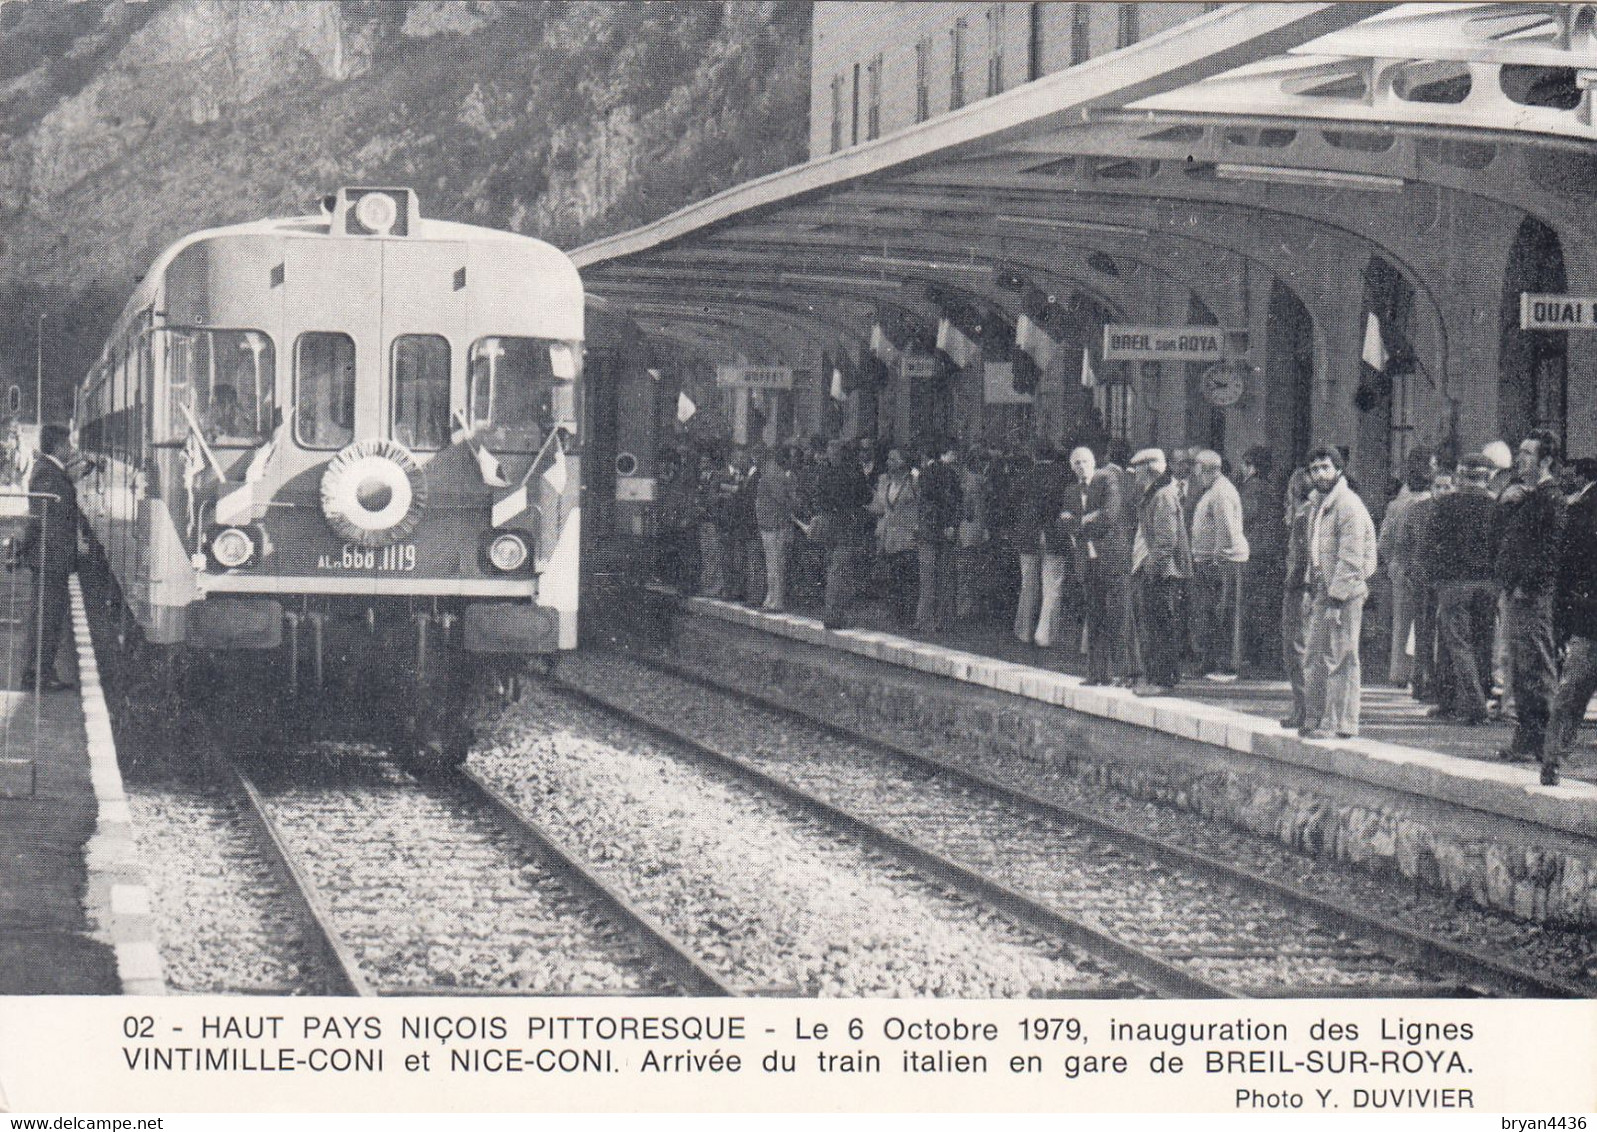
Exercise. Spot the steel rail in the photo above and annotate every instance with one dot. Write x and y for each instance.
(1474, 970)
(337, 958)
(1163, 978)
(674, 956)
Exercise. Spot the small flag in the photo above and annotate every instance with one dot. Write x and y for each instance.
(952, 341)
(881, 345)
(555, 473)
(1035, 341)
(236, 506)
(262, 457)
(1089, 379)
(838, 393)
(685, 408)
(509, 506)
(654, 374)
(1375, 355)
(493, 474)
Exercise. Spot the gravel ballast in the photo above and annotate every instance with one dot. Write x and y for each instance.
(763, 894)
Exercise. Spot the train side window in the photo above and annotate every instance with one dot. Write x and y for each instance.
(324, 389)
(419, 377)
(520, 389)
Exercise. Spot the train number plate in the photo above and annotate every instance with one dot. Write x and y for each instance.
(397, 559)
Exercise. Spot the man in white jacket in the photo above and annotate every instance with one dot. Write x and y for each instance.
(1341, 546)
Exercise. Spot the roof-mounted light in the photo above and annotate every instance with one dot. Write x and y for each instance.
(375, 211)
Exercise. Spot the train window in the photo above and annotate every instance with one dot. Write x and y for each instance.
(520, 389)
(419, 373)
(224, 381)
(324, 389)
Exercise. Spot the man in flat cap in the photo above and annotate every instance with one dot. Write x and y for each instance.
(1461, 546)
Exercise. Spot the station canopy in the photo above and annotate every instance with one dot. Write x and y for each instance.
(1256, 131)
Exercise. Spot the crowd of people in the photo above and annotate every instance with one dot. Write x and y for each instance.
(1163, 567)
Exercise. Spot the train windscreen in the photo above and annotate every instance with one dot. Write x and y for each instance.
(520, 389)
(225, 380)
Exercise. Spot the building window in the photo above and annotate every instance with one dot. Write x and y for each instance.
(956, 76)
(995, 50)
(1127, 33)
(837, 113)
(923, 69)
(1080, 34)
(873, 99)
(853, 116)
(1034, 44)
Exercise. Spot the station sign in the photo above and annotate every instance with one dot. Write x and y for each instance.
(754, 377)
(1126, 343)
(1557, 312)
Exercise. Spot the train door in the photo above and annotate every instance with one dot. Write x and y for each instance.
(424, 324)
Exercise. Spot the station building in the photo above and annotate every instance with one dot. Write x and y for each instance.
(1173, 224)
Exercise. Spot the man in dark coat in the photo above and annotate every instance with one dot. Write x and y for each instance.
(1531, 539)
(1575, 616)
(1094, 515)
(938, 543)
(50, 550)
(841, 497)
(1459, 552)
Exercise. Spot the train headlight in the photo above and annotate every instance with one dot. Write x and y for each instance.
(232, 548)
(507, 552)
(377, 212)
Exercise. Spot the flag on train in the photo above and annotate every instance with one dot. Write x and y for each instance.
(1375, 354)
(488, 466)
(839, 393)
(952, 341)
(555, 473)
(509, 505)
(1038, 344)
(685, 407)
(1089, 378)
(881, 345)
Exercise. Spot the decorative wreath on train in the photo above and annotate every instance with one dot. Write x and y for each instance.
(374, 492)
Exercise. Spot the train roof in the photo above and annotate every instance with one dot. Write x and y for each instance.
(422, 229)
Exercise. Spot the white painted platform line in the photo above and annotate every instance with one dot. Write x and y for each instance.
(118, 896)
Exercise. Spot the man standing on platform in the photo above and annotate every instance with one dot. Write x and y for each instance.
(940, 507)
(1460, 550)
(841, 496)
(1532, 532)
(1219, 554)
(1341, 546)
(1576, 620)
(1161, 561)
(50, 550)
(1096, 520)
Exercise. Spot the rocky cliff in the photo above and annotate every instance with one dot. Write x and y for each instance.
(125, 125)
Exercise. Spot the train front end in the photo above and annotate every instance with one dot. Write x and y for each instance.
(364, 450)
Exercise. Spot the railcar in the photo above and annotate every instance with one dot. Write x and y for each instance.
(347, 441)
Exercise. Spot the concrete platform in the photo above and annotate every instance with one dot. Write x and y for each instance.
(73, 906)
(1403, 796)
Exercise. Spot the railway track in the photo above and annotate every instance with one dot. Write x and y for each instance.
(436, 887)
(360, 878)
(1184, 924)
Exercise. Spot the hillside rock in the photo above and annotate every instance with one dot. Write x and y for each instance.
(122, 127)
